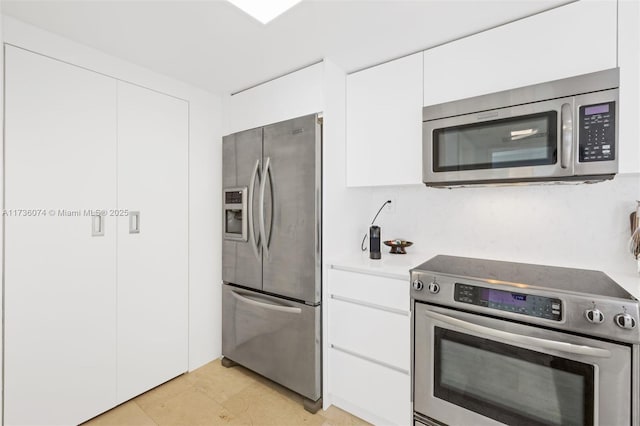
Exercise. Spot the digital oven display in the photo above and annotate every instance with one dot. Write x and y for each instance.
(524, 304)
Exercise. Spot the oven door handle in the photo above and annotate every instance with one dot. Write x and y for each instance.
(518, 338)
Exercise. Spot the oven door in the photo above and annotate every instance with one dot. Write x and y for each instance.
(475, 370)
(524, 142)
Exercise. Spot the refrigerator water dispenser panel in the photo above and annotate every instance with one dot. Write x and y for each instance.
(235, 214)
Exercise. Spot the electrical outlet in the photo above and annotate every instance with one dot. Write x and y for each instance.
(391, 207)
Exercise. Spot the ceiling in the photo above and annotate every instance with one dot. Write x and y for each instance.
(213, 45)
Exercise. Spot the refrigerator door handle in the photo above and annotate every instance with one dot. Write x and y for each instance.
(255, 242)
(263, 186)
(266, 305)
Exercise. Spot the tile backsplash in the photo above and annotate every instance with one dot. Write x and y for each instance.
(573, 225)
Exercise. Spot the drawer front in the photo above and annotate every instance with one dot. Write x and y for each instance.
(373, 333)
(375, 389)
(382, 291)
(274, 337)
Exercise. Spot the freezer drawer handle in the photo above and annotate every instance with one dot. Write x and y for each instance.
(263, 185)
(273, 307)
(255, 242)
(134, 222)
(524, 340)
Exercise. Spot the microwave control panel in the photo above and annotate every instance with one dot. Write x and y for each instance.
(597, 132)
(519, 303)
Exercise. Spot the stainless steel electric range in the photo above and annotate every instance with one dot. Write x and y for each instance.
(511, 343)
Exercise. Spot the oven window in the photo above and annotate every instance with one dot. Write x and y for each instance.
(528, 140)
(511, 384)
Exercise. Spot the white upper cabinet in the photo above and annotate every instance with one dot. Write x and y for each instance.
(384, 124)
(629, 62)
(570, 40)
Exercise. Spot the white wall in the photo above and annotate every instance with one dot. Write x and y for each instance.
(582, 226)
(204, 178)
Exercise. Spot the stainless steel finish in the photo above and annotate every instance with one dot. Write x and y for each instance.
(97, 225)
(585, 83)
(566, 142)
(369, 305)
(267, 177)
(255, 301)
(494, 175)
(578, 289)
(613, 381)
(518, 339)
(367, 358)
(241, 151)
(625, 321)
(292, 268)
(594, 316)
(275, 330)
(255, 240)
(595, 311)
(434, 287)
(282, 345)
(564, 96)
(418, 285)
(134, 222)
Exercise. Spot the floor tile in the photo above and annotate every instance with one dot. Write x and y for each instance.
(163, 392)
(191, 408)
(127, 414)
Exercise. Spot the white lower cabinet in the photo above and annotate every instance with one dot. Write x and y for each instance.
(94, 313)
(369, 346)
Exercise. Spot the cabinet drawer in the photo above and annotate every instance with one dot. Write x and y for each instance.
(380, 391)
(372, 289)
(380, 335)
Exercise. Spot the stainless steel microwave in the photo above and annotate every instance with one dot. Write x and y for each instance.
(561, 130)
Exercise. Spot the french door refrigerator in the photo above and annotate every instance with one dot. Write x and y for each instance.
(271, 266)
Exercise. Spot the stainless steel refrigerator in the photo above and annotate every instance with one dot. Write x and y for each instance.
(271, 266)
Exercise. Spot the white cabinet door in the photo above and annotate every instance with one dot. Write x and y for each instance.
(152, 263)
(629, 62)
(384, 124)
(60, 292)
(574, 39)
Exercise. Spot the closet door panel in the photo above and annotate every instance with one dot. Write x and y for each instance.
(152, 240)
(60, 292)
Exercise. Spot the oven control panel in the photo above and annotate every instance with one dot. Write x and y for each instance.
(508, 301)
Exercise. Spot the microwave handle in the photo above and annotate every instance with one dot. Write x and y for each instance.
(566, 142)
(524, 340)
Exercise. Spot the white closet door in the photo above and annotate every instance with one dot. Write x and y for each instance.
(152, 263)
(60, 292)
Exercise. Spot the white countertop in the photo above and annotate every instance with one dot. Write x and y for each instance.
(397, 266)
(391, 265)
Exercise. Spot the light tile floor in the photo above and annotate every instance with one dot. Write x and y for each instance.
(215, 395)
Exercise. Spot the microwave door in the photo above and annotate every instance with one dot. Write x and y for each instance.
(526, 142)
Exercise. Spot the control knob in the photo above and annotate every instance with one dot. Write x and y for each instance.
(418, 285)
(625, 321)
(434, 287)
(594, 316)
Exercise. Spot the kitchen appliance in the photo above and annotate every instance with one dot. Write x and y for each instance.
(511, 343)
(374, 242)
(235, 214)
(271, 295)
(561, 130)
